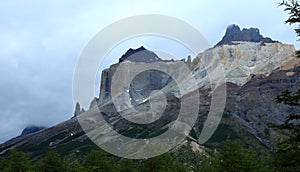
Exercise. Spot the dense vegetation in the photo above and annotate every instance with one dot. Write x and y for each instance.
(287, 156)
(232, 157)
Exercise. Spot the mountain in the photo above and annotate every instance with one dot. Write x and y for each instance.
(139, 55)
(31, 129)
(255, 74)
(234, 33)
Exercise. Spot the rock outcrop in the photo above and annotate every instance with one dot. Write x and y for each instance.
(139, 55)
(94, 103)
(234, 33)
(105, 85)
(78, 110)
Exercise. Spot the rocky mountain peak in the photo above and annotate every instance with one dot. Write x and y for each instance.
(140, 54)
(234, 33)
(78, 110)
(31, 129)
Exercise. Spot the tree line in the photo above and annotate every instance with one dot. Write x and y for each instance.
(232, 157)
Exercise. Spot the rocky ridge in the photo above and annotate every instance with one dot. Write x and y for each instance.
(234, 33)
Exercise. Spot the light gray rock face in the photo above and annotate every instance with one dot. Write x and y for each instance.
(241, 61)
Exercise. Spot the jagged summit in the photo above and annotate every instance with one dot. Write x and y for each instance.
(139, 55)
(234, 33)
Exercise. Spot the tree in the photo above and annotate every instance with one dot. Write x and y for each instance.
(52, 162)
(287, 157)
(2, 163)
(126, 165)
(293, 8)
(162, 163)
(98, 161)
(17, 162)
(233, 157)
(78, 167)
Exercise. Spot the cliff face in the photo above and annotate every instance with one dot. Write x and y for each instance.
(131, 56)
(105, 85)
(148, 80)
(243, 60)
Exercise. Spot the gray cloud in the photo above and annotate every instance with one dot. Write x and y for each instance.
(40, 42)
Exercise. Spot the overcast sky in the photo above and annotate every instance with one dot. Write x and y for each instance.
(40, 42)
